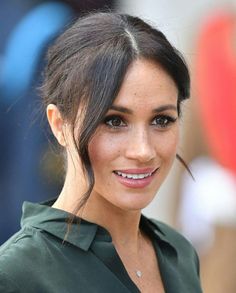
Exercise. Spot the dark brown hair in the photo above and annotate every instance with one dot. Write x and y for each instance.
(87, 64)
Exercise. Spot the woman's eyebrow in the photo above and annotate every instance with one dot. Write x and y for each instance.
(157, 110)
(121, 109)
(165, 108)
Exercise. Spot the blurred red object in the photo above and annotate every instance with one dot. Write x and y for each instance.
(216, 87)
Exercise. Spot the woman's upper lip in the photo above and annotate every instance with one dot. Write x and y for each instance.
(137, 170)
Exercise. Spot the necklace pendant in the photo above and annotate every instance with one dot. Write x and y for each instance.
(139, 274)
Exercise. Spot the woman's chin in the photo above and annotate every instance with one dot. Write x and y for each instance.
(134, 203)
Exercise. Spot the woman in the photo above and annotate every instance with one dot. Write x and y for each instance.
(113, 90)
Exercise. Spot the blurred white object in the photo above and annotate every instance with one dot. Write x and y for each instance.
(206, 202)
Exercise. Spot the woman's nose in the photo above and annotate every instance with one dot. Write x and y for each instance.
(140, 147)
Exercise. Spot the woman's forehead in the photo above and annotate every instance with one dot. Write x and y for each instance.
(146, 82)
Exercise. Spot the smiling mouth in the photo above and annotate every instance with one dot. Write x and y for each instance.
(137, 176)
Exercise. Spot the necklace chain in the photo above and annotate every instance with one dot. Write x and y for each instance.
(138, 272)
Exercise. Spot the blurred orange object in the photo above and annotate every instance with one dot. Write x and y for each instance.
(216, 86)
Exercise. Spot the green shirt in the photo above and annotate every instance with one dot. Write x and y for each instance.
(37, 260)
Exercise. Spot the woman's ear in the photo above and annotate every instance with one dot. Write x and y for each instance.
(56, 123)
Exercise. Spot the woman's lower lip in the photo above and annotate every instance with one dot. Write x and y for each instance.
(135, 183)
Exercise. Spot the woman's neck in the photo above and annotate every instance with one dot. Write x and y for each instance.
(123, 226)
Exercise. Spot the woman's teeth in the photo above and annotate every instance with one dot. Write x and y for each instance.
(133, 176)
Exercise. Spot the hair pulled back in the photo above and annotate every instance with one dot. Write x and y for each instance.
(86, 67)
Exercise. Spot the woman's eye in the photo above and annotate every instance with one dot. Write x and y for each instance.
(163, 121)
(114, 122)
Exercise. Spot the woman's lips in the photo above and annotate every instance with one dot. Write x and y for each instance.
(135, 178)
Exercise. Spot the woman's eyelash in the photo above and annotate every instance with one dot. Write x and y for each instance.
(163, 121)
(114, 121)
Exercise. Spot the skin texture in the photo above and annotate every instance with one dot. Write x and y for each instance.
(138, 142)
(145, 136)
(140, 139)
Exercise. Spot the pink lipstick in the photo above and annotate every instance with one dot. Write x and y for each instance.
(135, 178)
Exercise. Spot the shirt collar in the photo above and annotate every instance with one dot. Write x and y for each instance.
(80, 233)
(54, 221)
(154, 228)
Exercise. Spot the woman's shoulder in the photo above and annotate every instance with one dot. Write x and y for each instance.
(25, 242)
(19, 257)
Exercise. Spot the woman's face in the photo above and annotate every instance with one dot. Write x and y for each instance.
(133, 149)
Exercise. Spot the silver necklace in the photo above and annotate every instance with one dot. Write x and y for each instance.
(138, 272)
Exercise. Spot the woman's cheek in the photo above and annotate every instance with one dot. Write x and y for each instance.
(166, 142)
(105, 146)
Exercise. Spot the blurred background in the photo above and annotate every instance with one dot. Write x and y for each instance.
(203, 209)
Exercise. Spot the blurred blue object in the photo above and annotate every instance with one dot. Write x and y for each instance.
(25, 46)
(23, 142)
